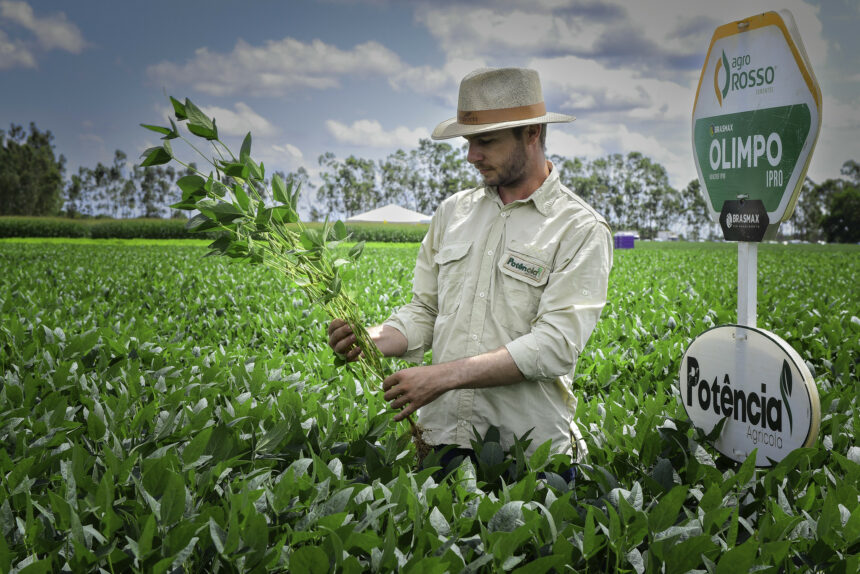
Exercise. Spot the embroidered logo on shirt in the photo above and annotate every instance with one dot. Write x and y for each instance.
(523, 267)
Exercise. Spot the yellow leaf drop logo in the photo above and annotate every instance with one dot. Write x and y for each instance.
(721, 93)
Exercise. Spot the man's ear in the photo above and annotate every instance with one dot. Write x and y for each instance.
(533, 133)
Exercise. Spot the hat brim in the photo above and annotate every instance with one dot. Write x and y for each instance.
(451, 128)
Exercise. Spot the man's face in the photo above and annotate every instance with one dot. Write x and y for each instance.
(500, 157)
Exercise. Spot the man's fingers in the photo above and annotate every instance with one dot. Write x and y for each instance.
(345, 345)
(389, 382)
(340, 338)
(335, 325)
(407, 410)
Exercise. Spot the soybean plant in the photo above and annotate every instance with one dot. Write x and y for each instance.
(230, 200)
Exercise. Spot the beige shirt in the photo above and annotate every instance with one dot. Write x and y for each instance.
(532, 276)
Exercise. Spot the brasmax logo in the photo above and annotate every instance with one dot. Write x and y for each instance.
(738, 75)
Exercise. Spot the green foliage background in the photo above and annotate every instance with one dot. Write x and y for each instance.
(161, 411)
(102, 228)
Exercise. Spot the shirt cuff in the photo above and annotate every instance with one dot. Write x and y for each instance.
(525, 353)
(414, 352)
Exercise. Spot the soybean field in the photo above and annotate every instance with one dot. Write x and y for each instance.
(161, 411)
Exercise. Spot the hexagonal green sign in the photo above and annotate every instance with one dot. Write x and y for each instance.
(756, 116)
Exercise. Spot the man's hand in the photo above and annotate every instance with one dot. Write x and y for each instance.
(342, 340)
(415, 387)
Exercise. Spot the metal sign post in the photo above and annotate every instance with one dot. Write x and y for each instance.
(747, 283)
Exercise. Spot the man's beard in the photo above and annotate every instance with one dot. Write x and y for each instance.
(512, 171)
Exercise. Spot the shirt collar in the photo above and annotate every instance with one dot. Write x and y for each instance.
(542, 198)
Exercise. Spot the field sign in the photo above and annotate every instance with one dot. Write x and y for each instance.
(759, 384)
(756, 116)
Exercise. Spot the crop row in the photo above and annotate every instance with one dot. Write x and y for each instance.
(161, 411)
(105, 228)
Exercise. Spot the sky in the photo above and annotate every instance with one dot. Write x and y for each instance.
(368, 77)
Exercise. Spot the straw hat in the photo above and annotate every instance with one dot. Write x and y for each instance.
(496, 99)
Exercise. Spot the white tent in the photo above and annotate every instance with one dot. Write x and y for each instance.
(390, 214)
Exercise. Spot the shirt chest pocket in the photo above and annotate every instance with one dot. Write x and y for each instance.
(520, 282)
(451, 260)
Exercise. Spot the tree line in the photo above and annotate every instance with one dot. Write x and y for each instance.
(632, 191)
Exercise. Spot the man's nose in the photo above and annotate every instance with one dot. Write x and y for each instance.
(474, 153)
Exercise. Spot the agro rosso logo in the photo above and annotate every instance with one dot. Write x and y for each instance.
(737, 74)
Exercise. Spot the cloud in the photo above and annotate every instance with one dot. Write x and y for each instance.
(288, 149)
(14, 54)
(440, 84)
(53, 32)
(586, 87)
(592, 141)
(654, 38)
(240, 121)
(277, 67)
(90, 139)
(370, 133)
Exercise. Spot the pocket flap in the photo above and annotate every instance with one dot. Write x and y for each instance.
(452, 252)
(526, 268)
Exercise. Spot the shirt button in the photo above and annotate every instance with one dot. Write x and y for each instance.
(490, 252)
(481, 294)
(474, 337)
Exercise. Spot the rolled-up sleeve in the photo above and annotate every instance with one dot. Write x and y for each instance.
(417, 318)
(569, 307)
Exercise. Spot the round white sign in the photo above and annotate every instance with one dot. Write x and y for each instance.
(759, 384)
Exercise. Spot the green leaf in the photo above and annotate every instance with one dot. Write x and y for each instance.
(226, 212)
(192, 185)
(43, 566)
(144, 543)
(665, 514)
(508, 517)
(220, 245)
(339, 230)
(96, 425)
(356, 250)
(254, 171)
(263, 219)
(178, 109)
(273, 437)
(6, 555)
(241, 197)
(219, 188)
(155, 156)
(311, 238)
(237, 170)
(199, 123)
(245, 152)
(309, 560)
(540, 456)
(278, 190)
(218, 535)
(200, 222)
(208, 134)
(738, 559)
(173, 500)
(157, 129)
(544, 564)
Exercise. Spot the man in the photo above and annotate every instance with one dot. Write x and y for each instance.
(509, 283)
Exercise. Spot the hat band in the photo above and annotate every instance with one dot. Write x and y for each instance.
(479, 117)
